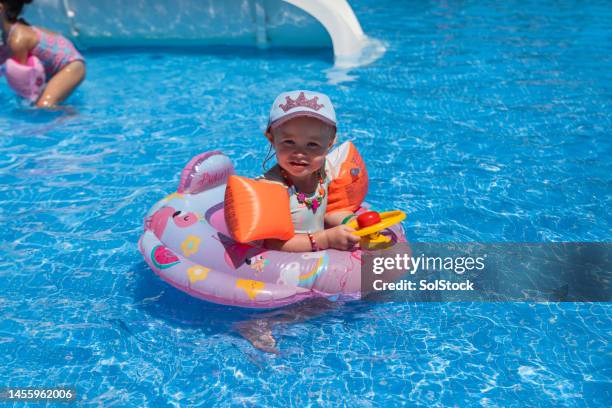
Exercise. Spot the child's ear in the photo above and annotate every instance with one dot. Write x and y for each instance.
(269, 136)
(332, 140)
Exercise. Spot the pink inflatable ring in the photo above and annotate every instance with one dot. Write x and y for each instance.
(187, 244)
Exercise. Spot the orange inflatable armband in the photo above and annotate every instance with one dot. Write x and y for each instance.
(257, 210)
(349, 184)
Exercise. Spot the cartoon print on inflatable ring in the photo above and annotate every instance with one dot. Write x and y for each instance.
(250, 287)
(197, 273)
(190, 245)
(185, 219)
(289, 274)
(236, 253)
(159, 220)
(319, 267)
(258, 262)
(163, 257)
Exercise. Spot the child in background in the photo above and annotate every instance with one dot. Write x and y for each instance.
(302, 129)
(64, 66)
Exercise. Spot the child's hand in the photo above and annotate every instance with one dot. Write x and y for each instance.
(341, 237)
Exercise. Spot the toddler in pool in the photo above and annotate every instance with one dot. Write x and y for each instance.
(301, 130)
(64, 65)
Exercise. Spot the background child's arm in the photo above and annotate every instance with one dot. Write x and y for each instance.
(336, 218)
(21, 43)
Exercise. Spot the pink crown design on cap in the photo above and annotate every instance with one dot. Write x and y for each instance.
(301, 100)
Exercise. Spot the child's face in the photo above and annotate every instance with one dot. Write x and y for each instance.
(301, 145)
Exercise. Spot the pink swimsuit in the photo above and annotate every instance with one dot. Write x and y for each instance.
(53, 50)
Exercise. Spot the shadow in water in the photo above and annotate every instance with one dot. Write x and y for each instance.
(23, 111)
(160, 300)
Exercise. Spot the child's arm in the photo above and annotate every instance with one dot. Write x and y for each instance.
(340, 237)
(21, 43)
(336, 218)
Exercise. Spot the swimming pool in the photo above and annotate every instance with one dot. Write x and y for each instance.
(485, 123)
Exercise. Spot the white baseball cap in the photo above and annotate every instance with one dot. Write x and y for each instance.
(289, 105)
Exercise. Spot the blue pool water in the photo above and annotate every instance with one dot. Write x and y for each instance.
(484, 122)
